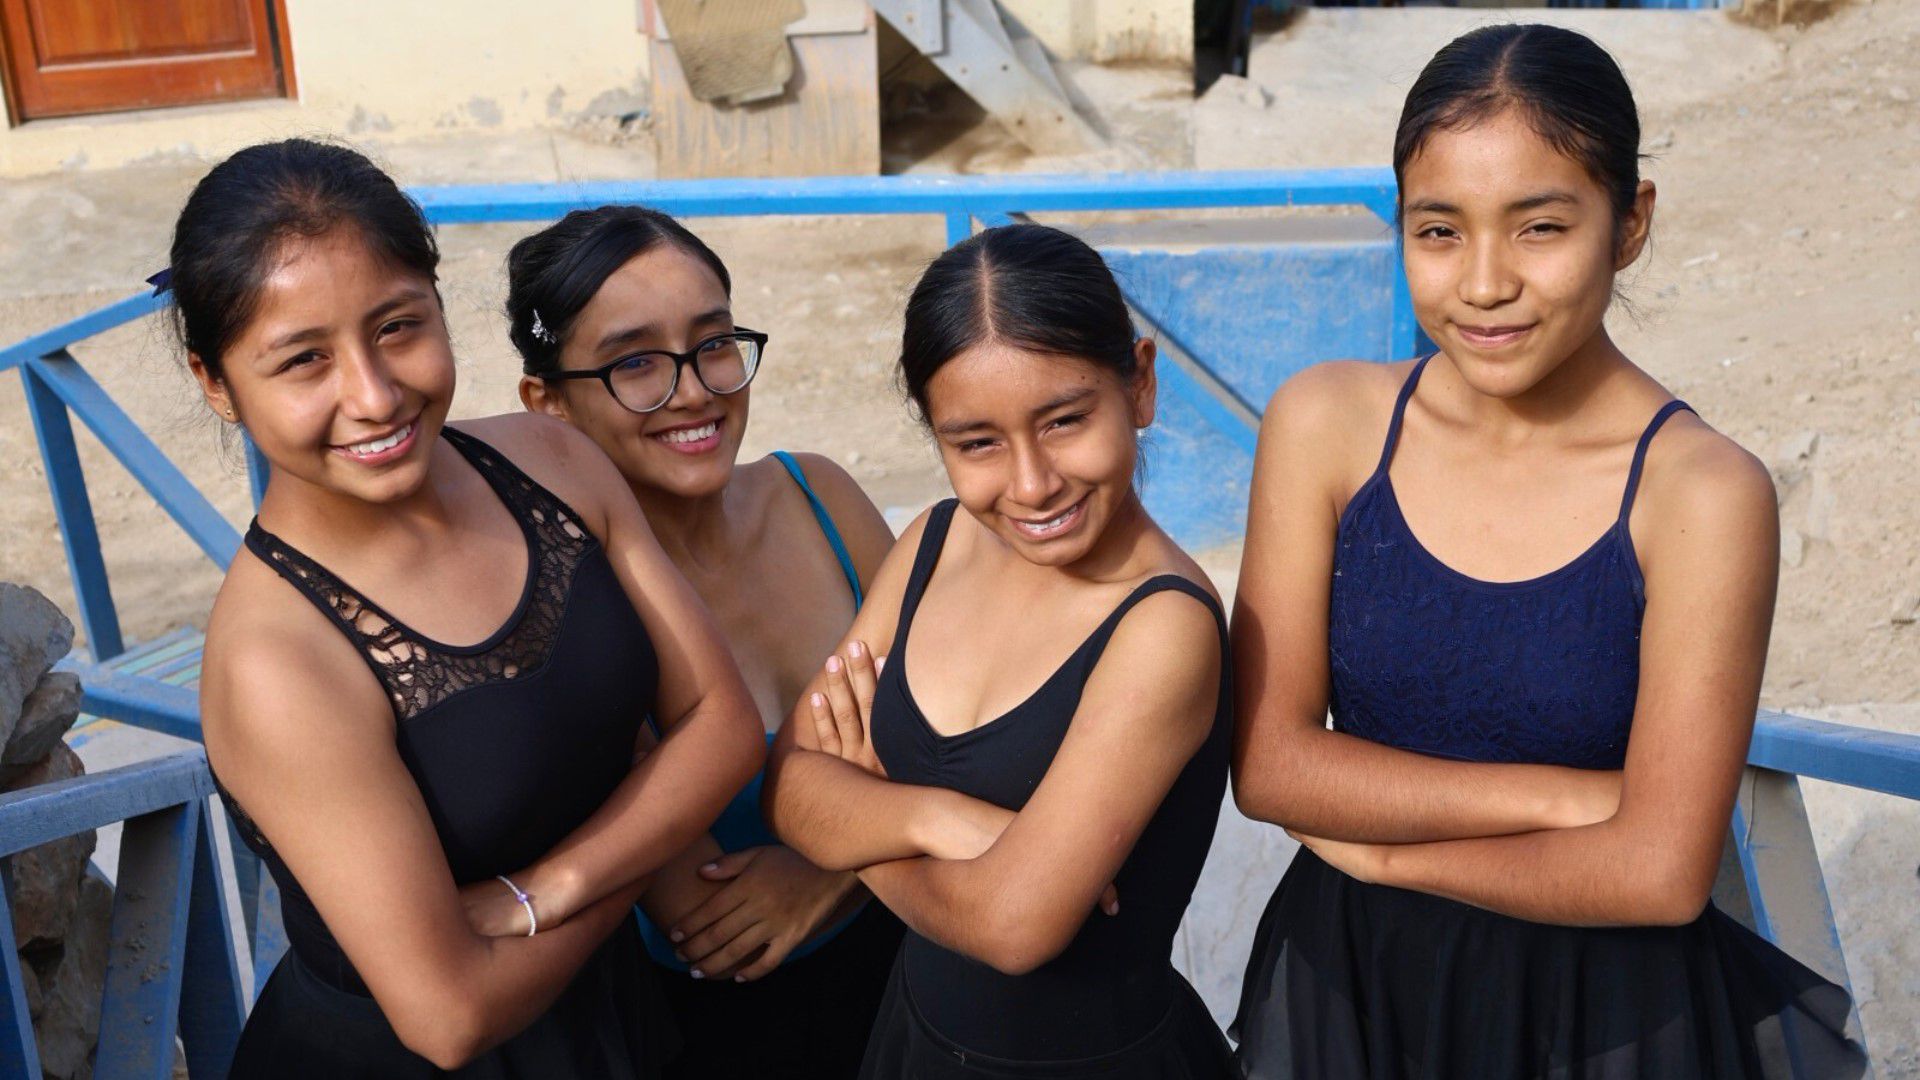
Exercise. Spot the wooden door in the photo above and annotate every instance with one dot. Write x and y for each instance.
(65, 57)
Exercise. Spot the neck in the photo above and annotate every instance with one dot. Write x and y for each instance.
(1117, 552)
(295, 507)
(694, 530)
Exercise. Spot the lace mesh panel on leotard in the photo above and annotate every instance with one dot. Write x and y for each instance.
(416, 671)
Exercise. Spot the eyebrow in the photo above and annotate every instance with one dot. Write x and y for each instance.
(961, 427)
(629, 335)
(319, 333)
(1529, 202)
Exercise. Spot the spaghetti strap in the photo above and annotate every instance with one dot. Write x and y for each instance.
(1400, 412)
(826, 524)
(1640, 453)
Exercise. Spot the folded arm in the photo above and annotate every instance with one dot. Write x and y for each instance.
(1317, 442)
(1710, 577)
(304, 740)
(1147, 708)
(711, 740)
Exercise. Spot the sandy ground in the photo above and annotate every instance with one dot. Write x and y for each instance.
(1782, 298)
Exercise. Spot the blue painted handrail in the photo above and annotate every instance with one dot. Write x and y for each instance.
(170, 956)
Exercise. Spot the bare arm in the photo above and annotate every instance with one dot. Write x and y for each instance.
(711, 739)
(1710, 573)
(1147, 708)
(838, 815)
(1288, 767)
(304, 739)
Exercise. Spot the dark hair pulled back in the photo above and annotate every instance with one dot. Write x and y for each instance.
(556, 271)
(1568, 88)
(1029, 286)
(249, 206)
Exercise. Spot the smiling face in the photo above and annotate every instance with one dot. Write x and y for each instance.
(1511, 248)
(344, 374)
(667, 299)
(1040, 448)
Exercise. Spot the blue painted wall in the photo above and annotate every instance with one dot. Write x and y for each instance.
(1254, 301)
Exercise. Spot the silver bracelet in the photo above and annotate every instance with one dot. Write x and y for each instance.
(526, 901)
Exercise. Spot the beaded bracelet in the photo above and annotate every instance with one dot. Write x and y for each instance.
(526, 901)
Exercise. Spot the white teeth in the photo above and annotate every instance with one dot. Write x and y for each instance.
(1049, 526)
(366, 448)
(687, 435)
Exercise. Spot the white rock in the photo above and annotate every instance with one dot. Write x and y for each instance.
(1906, 608)
(1799, 446)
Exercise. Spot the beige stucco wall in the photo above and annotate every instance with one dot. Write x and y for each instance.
(379, 69)
(1157, 31)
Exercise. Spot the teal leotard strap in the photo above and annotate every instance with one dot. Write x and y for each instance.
(740, 825)
(826, 524)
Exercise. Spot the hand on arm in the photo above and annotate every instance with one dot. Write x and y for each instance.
(1288, 767)
(1147, 708)
(1710, 577)
(840, 815)
(315, 766)
(711, 740)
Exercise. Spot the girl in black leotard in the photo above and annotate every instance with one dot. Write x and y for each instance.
(772, 967)
(458, 830)
(1049, 732)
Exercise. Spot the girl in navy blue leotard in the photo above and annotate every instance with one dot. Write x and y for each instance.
(777, 966)
(1032, 779)
(1512, 827)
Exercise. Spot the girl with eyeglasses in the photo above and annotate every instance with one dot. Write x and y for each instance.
(1031, 780)
(773, 966)
(426, 675)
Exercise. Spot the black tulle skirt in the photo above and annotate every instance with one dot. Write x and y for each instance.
(807, 1019)
(1185, 1045)
(609, 1024)
(1365, 981)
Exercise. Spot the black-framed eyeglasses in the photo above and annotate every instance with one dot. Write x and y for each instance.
(645, 381)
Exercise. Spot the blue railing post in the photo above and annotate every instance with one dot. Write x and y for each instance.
(959, 226)
(140, 1004)
(257, 469)
(213, 1006)
(19, 1054)
(68, 484)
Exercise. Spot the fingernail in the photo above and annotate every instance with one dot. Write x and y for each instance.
(740, 978)
(696, 974)
(833, 663)
(711, 866)
(676, 937)
(853, 648)
(818, 700)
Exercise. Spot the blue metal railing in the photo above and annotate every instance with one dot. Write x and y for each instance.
(1777, 887)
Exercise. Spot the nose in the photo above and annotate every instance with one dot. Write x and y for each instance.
(367, 388)
(688, 391)
(1487, 281)
(1035, 481)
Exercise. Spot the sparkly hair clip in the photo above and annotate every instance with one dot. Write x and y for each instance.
(540, 331)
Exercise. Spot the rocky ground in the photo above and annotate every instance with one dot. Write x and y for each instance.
(1782, 298)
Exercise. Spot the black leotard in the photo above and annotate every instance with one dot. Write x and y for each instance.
(514, 743)
(1111, 1004)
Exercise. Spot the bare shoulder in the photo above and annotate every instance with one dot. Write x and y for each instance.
(1334, 398)
(1700, 490)
(269, 650)
(555, 454)
(1165, 655)
(1325, 425)
(838, 490)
